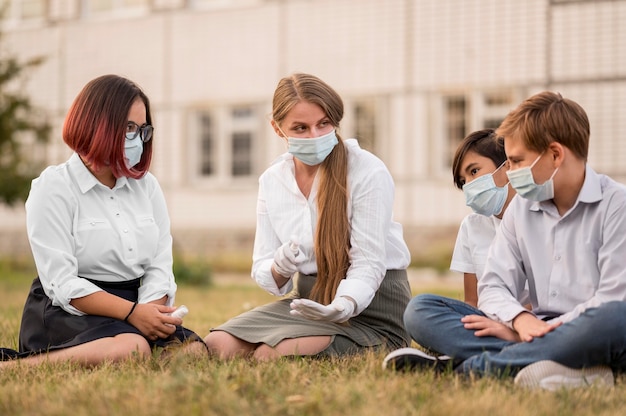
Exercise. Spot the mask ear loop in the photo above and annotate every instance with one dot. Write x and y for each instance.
(497, 169)
(275, 124)
(500, 167)
(553, 174)
(535, 162)
(284, 136)
(271, 120)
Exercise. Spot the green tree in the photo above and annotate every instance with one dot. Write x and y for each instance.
(19, 120)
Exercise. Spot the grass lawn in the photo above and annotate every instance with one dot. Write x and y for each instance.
(184, 386)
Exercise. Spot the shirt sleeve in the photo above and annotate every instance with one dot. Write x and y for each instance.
(158, 279)
(462, 255)
(265, 243)
(371, 202)
(503, 281)
(50, 214)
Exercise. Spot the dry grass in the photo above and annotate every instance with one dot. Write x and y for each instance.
(183, 386)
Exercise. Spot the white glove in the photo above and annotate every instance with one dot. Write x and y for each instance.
(340, 310)
(286, 259)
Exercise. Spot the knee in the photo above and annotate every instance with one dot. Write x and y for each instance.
(415, 310)
(128, 345)
(215, 341)
(422, 301)
(224, 345)
(198, 349)
(616, 307)
(610, 312)
(265, 353)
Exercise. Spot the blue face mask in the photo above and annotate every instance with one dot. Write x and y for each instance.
(484, 197)
(312, 151)
(133, 149)
(524, 184)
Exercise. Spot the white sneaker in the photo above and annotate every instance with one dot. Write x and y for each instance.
(409, 359)
(550, 375)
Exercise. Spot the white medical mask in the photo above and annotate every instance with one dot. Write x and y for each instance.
(133, 149)
(484, 197)
(524, 184)
(312, 151)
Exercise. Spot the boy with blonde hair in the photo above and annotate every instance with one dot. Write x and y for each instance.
(564, 235)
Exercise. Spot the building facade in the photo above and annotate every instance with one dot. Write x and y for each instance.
(416, 77)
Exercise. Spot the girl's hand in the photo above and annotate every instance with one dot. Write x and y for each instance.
(154, 321)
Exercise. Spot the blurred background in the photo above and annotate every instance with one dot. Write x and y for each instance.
(416, 76)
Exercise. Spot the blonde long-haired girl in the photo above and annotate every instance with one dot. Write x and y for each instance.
(324, 214)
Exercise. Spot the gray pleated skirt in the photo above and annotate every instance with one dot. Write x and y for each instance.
(380, 325)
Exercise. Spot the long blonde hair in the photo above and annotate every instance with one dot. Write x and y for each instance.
(332, 236)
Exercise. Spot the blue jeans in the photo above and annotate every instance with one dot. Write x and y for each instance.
(596, 337)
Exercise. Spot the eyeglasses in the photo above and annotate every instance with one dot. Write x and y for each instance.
(133, 129)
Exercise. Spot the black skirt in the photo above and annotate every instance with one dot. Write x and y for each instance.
(46, 327)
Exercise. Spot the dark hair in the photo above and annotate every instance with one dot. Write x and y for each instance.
(332, 235)
(95, 125)
(483, 142)
(547, 117)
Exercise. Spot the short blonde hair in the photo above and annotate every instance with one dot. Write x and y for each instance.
(547, 117)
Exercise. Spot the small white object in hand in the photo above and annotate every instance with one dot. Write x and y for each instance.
(180, 312)
(294, 246)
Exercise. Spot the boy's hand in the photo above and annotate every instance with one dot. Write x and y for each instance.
(529, 327)
(485, 327)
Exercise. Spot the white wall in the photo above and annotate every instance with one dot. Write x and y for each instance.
(410, 54)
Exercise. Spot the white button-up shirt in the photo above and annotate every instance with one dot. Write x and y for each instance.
(472, 243)
(78, 227)
(571, 263)
(377, 244)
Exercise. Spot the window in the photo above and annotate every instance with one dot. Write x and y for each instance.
(365, 123)
(456, 123)
(229, 143)
(242, 155)
(101, 5)
(496, 106)
(244, 126)
(17, 11)
(117, 8)
(464, 113)
(32, 9)
(208, 152)
(220, 4)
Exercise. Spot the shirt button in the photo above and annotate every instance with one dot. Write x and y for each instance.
(117, 214)
(111, 197)
(130, 249)
(553, 293)
(125, 231)
(557, 257)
